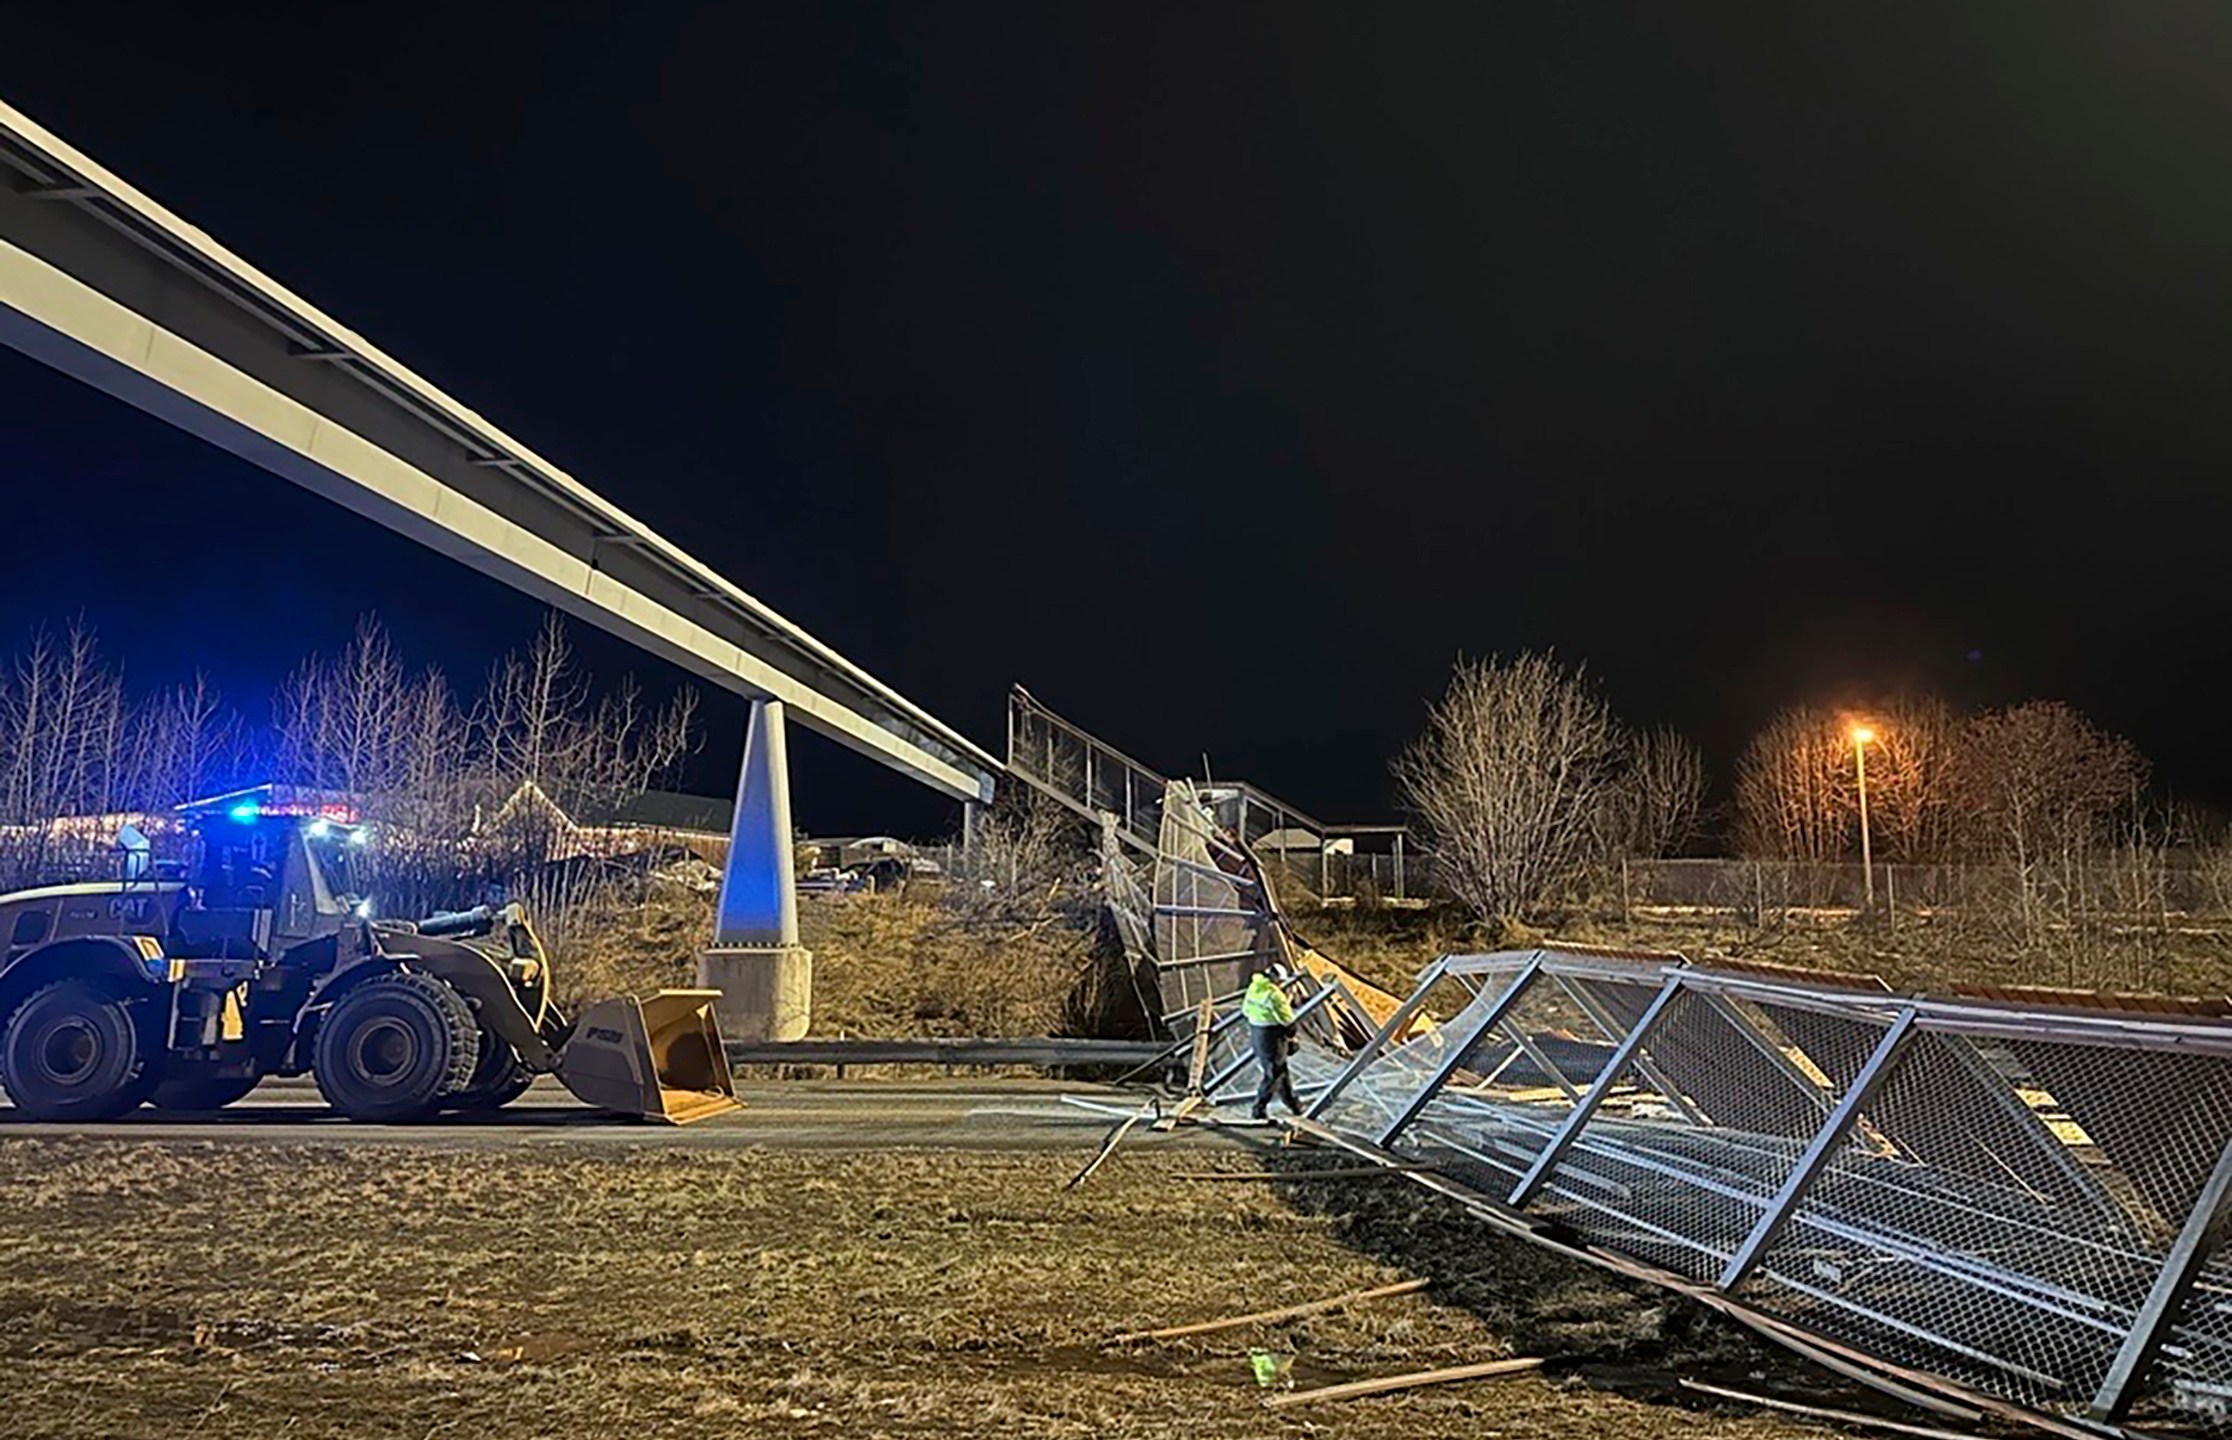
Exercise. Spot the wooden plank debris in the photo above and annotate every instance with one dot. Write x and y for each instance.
(1817, 1412)
(1345, 1172)
(1267, 1317)
(1108, 1146)
(1183, 1110)
(1821, 1353)
(1205, 1020)
(1487, 1370)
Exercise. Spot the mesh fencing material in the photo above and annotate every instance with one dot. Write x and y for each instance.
(1994, 1209)
(1212, 924)
(1699, 1133)
(1948, 1259)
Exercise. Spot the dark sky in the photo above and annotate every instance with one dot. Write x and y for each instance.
(1222, 371)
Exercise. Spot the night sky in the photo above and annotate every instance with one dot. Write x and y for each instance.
(1221, 371)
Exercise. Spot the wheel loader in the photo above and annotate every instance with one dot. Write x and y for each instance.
(185, 985)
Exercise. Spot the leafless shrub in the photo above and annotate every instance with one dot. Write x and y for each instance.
(1026, 859)
(1657, 805)
(2042, 785)
(1512, 781)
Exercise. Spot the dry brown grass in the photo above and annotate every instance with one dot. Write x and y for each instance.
(1389, 946)
(905, 965)
(884, 965)
(249, 1291)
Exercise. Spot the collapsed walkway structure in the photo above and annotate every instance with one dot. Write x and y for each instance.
(1996, 1200)
(2003, 1195)
(1184, 887)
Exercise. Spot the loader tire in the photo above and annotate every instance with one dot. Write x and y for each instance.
(190, 1094)
(395, 1048)
(75, 1051)
(498, 1078)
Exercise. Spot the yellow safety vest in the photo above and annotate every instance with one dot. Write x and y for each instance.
(1266, 1003)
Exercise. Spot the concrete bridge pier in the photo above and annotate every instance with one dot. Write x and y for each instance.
(766, 978)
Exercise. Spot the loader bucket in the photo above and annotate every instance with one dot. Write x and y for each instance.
(658, 1057)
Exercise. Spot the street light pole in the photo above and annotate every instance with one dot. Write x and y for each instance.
(1861, 735)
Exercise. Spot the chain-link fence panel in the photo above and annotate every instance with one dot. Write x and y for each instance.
(2008, 1197)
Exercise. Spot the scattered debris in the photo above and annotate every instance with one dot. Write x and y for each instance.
(1487, 1370)
(540, 1347)
(1098, 1107)
(1845, 1362)
(1182, 1111)
(1345, 1172)
(1108, 1146)
(1269, 1368)
(1266, 1317)
(1205, 1023)
(1817, 1412)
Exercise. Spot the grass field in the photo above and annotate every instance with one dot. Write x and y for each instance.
(248, 1290)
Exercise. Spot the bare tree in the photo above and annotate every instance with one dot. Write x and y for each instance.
(340, 722)
(535, 723)
(530, 714)
(75, 746)
(1660, 796)
(1794, 788)
(469, 801)
(1913, 810)
(1512, 780)
(62, 724)
(1025, 858)
(183, 744)
(2041, 783)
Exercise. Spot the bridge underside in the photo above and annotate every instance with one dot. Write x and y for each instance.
(102, 283)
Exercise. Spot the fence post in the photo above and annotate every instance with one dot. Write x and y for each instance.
(1609, 1076)
(2197, 1241)
(1820, 1150)
(1462, 1050)
(1627, 906)
(1891, 897)
(1371, 1048)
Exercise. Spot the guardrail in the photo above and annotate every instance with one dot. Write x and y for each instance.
(1038, 1052)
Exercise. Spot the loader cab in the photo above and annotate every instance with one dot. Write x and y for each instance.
(266, 881)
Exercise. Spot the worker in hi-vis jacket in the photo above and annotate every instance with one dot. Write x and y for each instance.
(1270, 1017)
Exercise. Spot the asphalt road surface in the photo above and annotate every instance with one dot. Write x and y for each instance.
(979, 1114)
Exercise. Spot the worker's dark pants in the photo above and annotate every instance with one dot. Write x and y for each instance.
(1270, 1043)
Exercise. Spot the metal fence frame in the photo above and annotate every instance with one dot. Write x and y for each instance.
(2029, 1283)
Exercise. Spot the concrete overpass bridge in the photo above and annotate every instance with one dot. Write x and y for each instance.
(103, 283)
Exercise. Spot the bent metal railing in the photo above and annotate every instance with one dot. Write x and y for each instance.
(2012, 1198)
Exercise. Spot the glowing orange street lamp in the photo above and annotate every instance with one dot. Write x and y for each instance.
(1861, 736)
